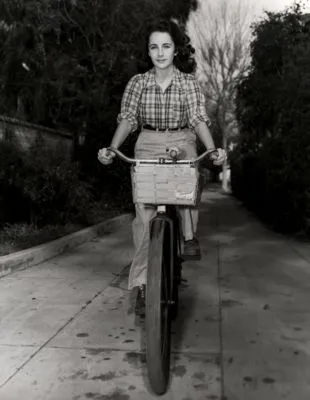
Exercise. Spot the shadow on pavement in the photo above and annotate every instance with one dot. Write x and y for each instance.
(180, 326)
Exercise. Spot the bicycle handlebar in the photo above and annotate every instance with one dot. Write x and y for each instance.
(158, 160)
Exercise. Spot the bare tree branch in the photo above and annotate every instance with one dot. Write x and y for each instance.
(221, 35)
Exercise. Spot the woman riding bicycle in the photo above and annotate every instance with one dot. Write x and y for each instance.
(168, 104)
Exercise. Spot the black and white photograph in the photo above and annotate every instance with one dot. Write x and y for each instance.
(154, 199)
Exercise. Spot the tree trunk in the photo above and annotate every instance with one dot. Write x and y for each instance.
(224, 166)
(224, 179)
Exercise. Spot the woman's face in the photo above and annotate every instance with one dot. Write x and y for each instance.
(161, 49)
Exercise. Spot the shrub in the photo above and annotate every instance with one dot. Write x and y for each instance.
(270, 168)
(40, 186)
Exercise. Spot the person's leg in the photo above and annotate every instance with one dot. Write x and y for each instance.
(140, 229)
(149, 145)
(189, 218)
(186, 141)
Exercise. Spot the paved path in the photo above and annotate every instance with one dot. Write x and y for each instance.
(243, 331)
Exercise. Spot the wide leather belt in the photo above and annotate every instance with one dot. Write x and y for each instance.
(151, 128)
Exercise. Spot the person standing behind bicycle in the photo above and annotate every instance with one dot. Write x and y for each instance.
(168, 104)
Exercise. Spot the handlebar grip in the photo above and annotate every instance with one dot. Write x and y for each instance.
(214, 155)
(111, 149)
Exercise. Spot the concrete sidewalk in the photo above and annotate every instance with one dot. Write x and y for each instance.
(242, 333)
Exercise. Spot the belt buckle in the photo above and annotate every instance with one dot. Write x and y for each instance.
(161, 130)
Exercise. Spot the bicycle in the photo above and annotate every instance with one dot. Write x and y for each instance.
(152, 184)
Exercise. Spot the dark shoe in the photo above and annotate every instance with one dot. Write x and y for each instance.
(132, 300)
(191, 250)
(140, 301)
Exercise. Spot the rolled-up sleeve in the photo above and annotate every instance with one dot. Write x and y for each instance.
(196, 104)
(130, 102)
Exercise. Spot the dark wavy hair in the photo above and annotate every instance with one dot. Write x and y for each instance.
(184, 59)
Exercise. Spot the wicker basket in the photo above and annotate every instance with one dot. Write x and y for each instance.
(165, 184)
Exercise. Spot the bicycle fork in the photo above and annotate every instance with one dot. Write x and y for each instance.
(171, 244)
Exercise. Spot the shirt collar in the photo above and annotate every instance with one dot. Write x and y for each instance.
(176, 79)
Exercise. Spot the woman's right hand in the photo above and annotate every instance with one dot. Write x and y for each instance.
(105, 156)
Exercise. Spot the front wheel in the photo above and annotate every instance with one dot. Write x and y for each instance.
(157, 318)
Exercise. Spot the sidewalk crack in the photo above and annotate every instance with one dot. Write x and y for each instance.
(71, 319)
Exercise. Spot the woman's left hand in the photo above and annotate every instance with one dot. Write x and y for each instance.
(221, 157)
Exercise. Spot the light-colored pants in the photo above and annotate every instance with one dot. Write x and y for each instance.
(153, 144)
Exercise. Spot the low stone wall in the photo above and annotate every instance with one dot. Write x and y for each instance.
(26, 134)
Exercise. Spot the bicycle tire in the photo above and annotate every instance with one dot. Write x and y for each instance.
(157, 316)
(175, 290)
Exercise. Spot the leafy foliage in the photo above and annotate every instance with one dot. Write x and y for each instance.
(65, 64)
(42, 188)
(78, 55)
(270, 168)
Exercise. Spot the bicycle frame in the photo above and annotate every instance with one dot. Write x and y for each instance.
(163, 277)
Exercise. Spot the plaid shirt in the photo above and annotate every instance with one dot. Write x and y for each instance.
(183, 102)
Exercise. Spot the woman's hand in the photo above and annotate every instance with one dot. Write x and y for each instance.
(219, 157)
(105, 156)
